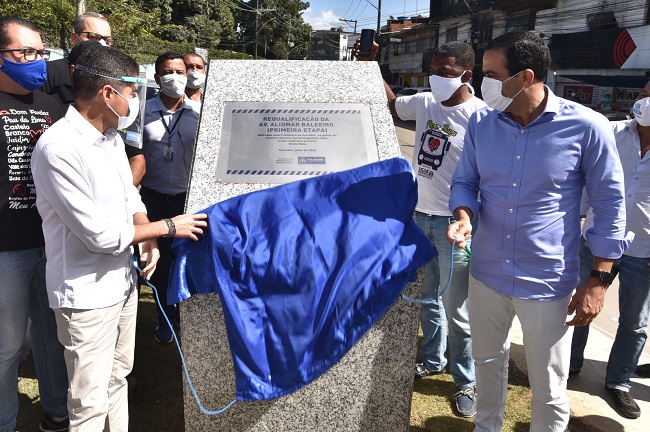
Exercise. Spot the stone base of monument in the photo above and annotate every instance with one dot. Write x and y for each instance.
(370, 388)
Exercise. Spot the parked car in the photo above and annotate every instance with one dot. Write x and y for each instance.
(408, 91)
(395, 88)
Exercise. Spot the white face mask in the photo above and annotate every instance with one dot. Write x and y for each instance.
(124, 122)
(492, 90)
(641, 111)
(195, 79)
(173, 85)
(443, 88)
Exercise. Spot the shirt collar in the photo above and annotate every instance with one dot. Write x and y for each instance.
(158, 105)
(631, 125)
(87, 131)
(552, 107)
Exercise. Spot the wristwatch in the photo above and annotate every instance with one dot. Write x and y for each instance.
(171, 227)
(606, 277)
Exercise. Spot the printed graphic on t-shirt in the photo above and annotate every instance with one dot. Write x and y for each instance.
(21, 128)
(434, 145)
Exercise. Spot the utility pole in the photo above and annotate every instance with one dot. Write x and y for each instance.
(257, 14)
(349, 21)
(81, 7)
(378, 17)
(378, 7)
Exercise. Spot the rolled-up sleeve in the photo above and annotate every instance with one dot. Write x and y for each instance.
(605, 187)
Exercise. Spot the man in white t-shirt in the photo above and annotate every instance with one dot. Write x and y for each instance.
(441, 118)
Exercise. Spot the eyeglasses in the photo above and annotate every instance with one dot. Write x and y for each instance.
(30, 54)
(97, 37)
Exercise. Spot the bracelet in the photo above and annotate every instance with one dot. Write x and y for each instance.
(171, 227)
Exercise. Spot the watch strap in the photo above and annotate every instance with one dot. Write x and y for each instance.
(606, 277)
(171, 227)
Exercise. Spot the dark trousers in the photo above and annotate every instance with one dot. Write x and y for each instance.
(161, 206)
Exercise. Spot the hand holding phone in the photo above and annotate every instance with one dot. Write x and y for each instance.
(365, 46)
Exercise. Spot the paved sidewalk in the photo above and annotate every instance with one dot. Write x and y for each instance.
(588, 398)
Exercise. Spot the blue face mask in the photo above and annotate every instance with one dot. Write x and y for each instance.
(30, 76)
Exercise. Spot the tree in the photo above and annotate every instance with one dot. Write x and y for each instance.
(280, 31)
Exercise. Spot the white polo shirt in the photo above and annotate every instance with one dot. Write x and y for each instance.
(636, 171)
(86, 197)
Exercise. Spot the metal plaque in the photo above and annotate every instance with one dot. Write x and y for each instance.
(275, 142)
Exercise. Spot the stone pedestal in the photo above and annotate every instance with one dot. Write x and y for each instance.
(370, 388)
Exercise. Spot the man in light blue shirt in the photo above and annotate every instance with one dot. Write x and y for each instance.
(528, 159)
(633, 143)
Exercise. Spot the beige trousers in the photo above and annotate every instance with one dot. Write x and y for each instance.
(99, 346)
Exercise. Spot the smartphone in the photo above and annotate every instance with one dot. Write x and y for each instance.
(365, 46)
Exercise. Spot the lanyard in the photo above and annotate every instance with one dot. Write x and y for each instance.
(169, 131)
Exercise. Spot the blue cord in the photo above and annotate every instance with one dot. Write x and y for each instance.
(432, 299)
(180, 351)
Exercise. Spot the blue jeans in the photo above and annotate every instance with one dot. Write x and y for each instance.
(453, 306)
(634, 308)
(22, 276)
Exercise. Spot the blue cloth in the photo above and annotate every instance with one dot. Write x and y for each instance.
(303, 270)
(530, 180)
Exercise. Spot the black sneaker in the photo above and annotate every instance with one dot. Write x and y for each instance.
(643, 370)
(47, 424)
(624, 403)
(422, 371)
(465, 400)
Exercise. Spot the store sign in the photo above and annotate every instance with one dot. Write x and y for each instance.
(602, 49)
(625, 97)
(578, 93)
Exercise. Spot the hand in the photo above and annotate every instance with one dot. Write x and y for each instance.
(150, 254)
(373, 53)
(460, 231)
(190, 225)
(587, 303)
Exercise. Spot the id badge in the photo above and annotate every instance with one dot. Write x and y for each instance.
(168, 154)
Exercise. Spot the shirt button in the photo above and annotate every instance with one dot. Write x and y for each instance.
(507, 261)
(522, 131)
(508, 236)
(518, 157)
(510, 210)
(514, 184)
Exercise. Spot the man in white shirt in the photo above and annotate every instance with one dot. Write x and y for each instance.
(92, 214)
(170, 126)
(441, 118)
(633, 268)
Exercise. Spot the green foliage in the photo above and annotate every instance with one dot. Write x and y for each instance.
(147, 28)
(54, 18)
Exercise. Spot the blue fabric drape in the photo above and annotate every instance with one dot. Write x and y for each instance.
(304, 270)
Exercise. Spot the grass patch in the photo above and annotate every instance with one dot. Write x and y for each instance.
(156, 399)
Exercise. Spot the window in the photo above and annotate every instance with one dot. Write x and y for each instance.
(451, 34)
(419, 45)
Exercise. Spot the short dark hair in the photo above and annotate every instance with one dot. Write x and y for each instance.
(462, 52)
(100, 66)
(523, 50)
(194, 55)
(169, 55)
(80, 21)
(5, 21)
